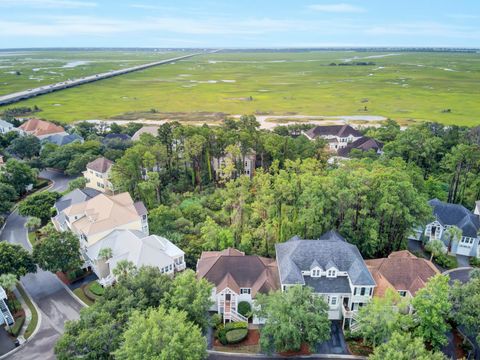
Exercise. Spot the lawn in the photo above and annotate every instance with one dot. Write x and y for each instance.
(403, 86)
(34, 321)
(79, 292)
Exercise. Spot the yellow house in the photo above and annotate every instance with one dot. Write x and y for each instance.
(97, 175)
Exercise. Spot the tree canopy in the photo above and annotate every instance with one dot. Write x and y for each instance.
(14, 259)
(39, 205)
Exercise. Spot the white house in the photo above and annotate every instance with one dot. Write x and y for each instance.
(6, 316)
(337, 136)
(332, 267)
(133, 246)
(447, 215)
(5, 127)
(236, 277)
(247, 166)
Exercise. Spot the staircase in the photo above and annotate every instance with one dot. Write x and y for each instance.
(7, 315)
(232, 315)
(353, 322)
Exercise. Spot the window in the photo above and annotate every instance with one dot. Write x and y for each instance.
(371, 292)
(332, 273)
(245, 291)
(315, 273)
(402, 293)
(171, 267)
(362, 291)
(333, 300)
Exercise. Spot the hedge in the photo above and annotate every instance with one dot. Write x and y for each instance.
(446, 261)
(224, 330)
(15, 328)
(236, 335)
(245, 309)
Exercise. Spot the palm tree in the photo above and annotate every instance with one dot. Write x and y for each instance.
(33, 223)
(105, 253)
(453, 233)
(435, 247)
(123, 268)
(9, 282)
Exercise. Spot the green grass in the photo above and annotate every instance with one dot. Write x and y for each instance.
(79, 292)
(408, 86)
(34, 321)
(32, 238)
(96, 289)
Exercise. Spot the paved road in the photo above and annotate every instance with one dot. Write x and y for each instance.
(55, 303)
(26, 94)
(243, 357)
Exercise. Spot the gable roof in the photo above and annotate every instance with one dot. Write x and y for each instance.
(101, 165)
(39, 127)
(333, 130)
(364, 143)
(153, 130)
(5, 124)
(74, 197)
(114, 136)
(103, 213)
(134, 246)
(401, 270)
(62, 139)
(233, 269)
(458, 215)
(331, 249)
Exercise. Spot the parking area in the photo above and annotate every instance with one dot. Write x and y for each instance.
(336, 344)
(6, 342)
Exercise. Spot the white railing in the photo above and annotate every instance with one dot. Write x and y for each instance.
(180, 267)
(232, 315)
(107, 281)
(7, 315)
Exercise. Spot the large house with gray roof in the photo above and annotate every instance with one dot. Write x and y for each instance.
(447, 215)
(337, 136)
(332, 267)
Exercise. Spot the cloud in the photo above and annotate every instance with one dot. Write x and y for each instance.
(337, 8)
(48, 3)
(430, 29)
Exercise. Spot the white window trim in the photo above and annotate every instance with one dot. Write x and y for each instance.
(331, 273)
(247, 291)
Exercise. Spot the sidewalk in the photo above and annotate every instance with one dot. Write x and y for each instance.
(28, 316)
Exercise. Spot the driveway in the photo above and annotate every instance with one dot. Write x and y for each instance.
(336, 344)
(54, 301)
(462, 275)
(6, 342)
(227, 356)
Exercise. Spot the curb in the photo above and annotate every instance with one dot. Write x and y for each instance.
(459, 268)
(262, 356)
(39, 323)
(80, 301)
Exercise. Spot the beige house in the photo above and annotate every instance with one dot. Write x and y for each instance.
(95, 218)
(97, 175)
(41, 129)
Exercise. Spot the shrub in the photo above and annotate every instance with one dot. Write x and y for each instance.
(446, 261)
(474, 261)
(216, 320)
(245, 309)
(236, 325)
(224, 330)
(15, 329)
(236, 335)
(96, 288)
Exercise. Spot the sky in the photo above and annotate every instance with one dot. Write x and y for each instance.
(239, 23)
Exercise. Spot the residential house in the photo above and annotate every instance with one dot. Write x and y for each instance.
(337, 136)
(97, 175)
(363, 144)
(332, 267)
(115, 137)
(6, 317)
(152, 130)
(5, 127)
(74, 197)
(95, 218)
(447, 215)
(476, 211)
(237, 277)
(62, 139)
(247, 166)
(41, 129)
(136, 247)
(402, 272)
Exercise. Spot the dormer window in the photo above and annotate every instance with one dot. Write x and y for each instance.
(331, 273)
(315, 272)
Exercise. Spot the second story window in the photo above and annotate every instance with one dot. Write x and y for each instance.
(315, 273)
(245, 291)
(332, 273)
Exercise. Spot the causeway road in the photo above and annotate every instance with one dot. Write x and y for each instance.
(29, 93)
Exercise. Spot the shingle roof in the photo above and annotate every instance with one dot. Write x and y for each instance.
(324, 285)
(103, 213)
(6, 124)
(123, 137)
(333, 130)
(100, 165)
(62, 139)
(364, 143)
(295, 256)
(153, 130)
(39, 127)
(401, 271)
(233, 269)
(458, 215)
(74, 197)
(134, 246)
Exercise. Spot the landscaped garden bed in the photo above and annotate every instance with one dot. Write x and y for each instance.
(236, 337)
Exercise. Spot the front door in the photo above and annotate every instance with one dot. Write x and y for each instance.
(228, 297)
